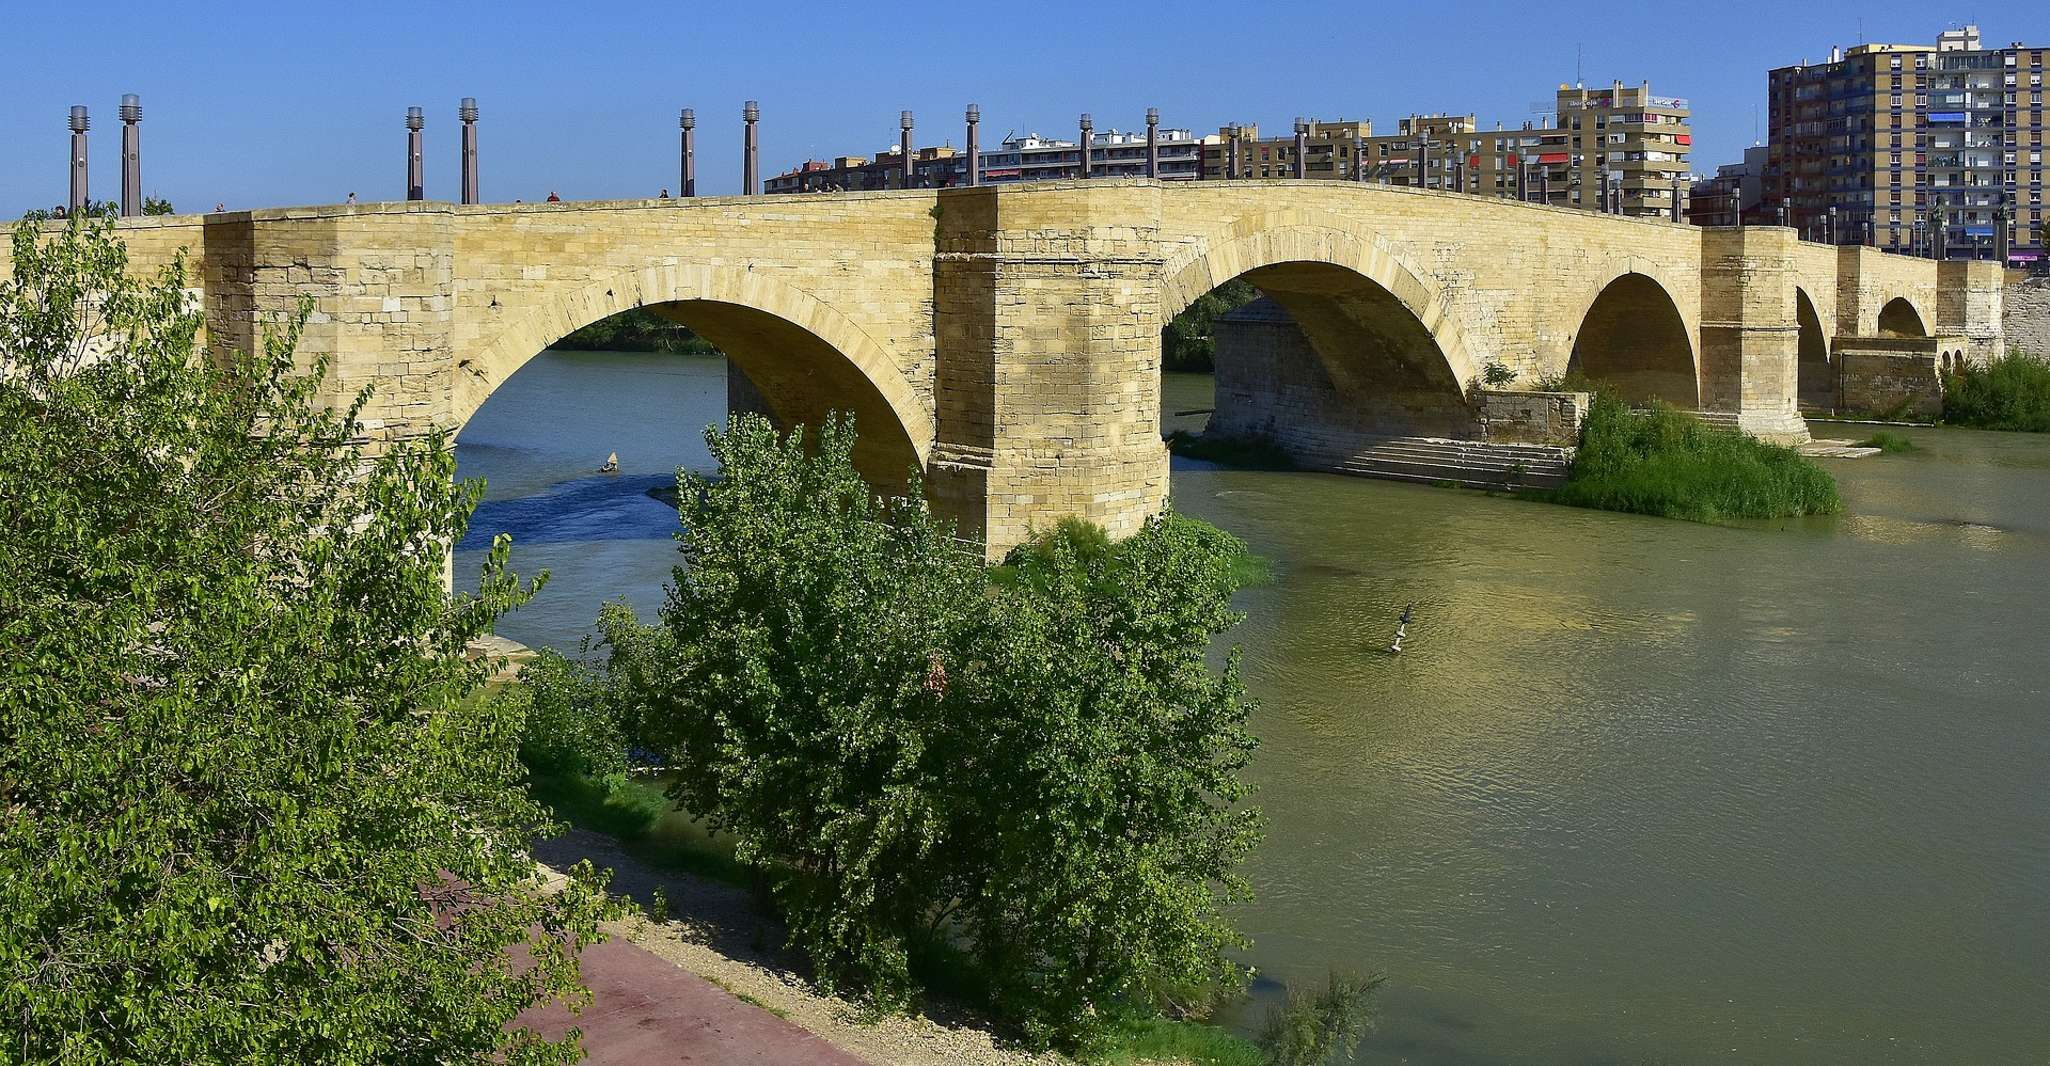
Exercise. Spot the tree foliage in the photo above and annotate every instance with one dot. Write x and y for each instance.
(637, 330)
(247, 812)
(1189, 340)
(1041, 771)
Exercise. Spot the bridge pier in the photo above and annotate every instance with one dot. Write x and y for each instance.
(1047, 324)
(1750, 332)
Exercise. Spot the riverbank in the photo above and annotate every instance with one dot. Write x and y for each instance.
(716, 931)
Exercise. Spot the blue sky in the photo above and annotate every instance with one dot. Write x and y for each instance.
(259, 105)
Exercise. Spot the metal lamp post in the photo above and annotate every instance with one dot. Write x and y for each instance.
(1302, 149)
(1153, 142)
(974, 145)
(79, 124)
(468, 113)
(750, 167)
(1231, 161)
(1088, 135)
(904, 168)
(131, 155)
(688, 122)
(416, 164)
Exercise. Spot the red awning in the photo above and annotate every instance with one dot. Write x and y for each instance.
(1553, 157)
(1684, 138)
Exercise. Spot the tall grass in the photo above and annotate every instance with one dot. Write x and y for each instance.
(1667, 463)
(2011, 392)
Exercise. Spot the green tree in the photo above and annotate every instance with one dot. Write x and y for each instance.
(1042, 771)
(1189, 340)
(1107, 817)
(156, 205)
(247, 811)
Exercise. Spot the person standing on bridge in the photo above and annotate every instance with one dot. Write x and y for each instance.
(552, 198)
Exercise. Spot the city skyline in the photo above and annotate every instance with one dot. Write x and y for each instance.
(271, 111)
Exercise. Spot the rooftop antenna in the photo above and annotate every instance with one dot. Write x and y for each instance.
(1578, 54)
(1861, 29)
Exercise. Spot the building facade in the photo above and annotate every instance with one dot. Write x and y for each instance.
(1933, 149)
(1733, 195)
(1113, 153)
(1619, 149)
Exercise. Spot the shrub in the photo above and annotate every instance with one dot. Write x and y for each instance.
(2011, 392)
(1496, 375)
(248, 809)
(1888, 442)
(568, 725)
(1665, 462)
(1312, 1028)
(1041, 770)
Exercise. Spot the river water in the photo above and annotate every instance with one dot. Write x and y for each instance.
(1636, 791)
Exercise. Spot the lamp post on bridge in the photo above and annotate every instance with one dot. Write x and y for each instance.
(416, 164)
(1153, 142)
(688, 122)
(80, 122)
(750, 165)
(131, 155)
(904, 168)
(974, 145)
(468, 113)
(1088, 135)
(1302, 149)
(1231, 160)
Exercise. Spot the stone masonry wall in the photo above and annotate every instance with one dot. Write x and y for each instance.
(1272, 384)
(1892, 382)
(1509, 417)
(2026, 314)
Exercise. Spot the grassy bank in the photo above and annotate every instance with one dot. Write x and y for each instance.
(1666, 463)
(2009, 393)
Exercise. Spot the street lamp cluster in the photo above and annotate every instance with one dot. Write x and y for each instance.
(1928, 236)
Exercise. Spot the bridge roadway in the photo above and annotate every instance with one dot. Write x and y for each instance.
(1004, 341)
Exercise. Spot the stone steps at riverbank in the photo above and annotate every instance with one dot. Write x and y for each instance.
(1471, 464)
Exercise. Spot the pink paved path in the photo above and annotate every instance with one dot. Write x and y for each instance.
(646, 1010)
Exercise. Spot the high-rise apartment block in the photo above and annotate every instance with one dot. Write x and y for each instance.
(1935, 149)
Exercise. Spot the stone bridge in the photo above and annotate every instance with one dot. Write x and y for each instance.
(1004, 341)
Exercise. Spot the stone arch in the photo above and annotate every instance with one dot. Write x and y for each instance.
(1816, 386)
(1900, 318)
(1634, 335)
(803, 356)
(1333, 280)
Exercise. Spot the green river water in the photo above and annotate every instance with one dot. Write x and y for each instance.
(1636, 791)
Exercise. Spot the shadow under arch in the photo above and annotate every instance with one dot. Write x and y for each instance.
(1898, 318)
(1816, 384)
(1388, 353)
(803, 359)
(1633, 338)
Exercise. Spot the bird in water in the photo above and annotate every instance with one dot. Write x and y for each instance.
(1402, 628)
(611, 464)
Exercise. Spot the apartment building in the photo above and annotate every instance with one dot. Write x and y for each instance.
(1619, 149)
(1934, 149)
(1113, 153)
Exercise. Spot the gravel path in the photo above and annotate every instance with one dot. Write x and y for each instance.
(718, 933)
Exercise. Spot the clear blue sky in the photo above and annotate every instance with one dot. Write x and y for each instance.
(276, 103)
